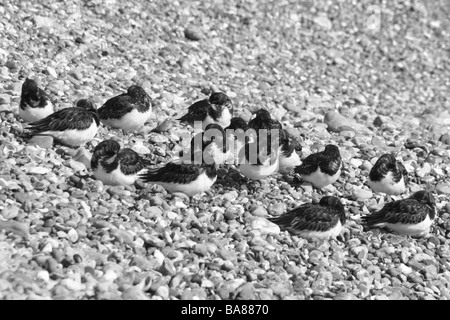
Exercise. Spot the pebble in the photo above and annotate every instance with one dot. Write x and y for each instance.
(338, 123)
(77, 166)
(362, 194)
(264, 226)
(38, 170)
(158, 138)
(83, 156)
(5, 99)
(259, 211)
(323, 22)
(201, 249)
(193, 33)
(15, 227)
(141, 149)
(167, 268)
(443, 188)
(246, 292)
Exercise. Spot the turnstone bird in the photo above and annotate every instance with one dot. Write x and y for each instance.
(388, 176)
(321, 168)
(212, 145)
(238, 134)
(259, 159)
(115, 166)
(34, 103)
(214, 109)
(263, 120)
(128, 111)
(289, 158)
(412, 216)
(320, 221)
(72, 126)
(188, 178)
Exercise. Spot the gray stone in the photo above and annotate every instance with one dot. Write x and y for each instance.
(338, 123)
(44, 142)
(193, 33)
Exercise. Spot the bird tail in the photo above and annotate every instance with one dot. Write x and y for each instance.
(149, 174)
(283, 220)
(372, 220)
(37, 127)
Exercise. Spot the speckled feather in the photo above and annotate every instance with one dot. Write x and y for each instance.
(73, 118)
(212, 106)
(178, 173)
(328, 160)
(263, 120)
(130, 162)
(387, 163)
(196, 112)
(118, 106)
(319, 217)
(413, 210)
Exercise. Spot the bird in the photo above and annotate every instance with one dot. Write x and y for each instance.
(212, 145)
(322, 221)
(188, 178)
(215, 109)
(289, 158)
(263, 120)
(321, 168)
(34, 104)
(237, 134)
(388, 176)
(115, 166)
(258, 160)
(73, 126)
(128, 111)
(412, 216)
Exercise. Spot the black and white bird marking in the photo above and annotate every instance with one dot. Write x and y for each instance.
(215, 109)
(321, 168)
(263, 120)
(315, 221)
(188, 178)
(388, 176)
(412, 216)
(34, 103)
(258, 160)
(237, 135)
(72, 126)
(116, 167)
(289, 158)
(128, 111)
(210, 146)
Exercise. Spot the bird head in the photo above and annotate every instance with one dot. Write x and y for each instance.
(425, 197)
(87, 104)
(331, 149)
(30, 87)
(104, 150)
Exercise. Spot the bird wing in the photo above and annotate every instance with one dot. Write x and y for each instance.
(116, 107)
(315, 218)
(131, 162)
(309, 216)
(196, 112)
(407, 211)
(173, 172)
(65, 119)
(309, 164)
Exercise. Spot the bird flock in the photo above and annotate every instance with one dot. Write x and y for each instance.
(256, 149)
